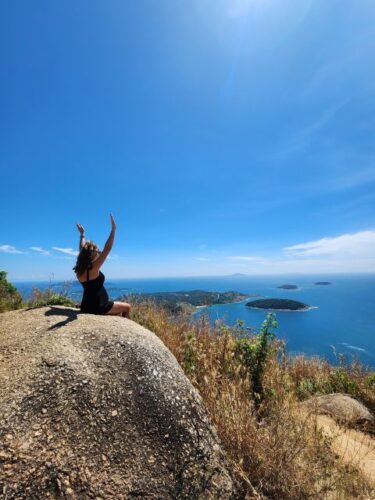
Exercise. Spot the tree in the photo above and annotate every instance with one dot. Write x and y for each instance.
(10, 298)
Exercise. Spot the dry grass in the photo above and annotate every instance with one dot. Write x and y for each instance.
(49, 296)
(275, 452)
(310, 376)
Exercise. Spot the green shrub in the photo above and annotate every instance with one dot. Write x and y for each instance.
(254, 352)
(333, 380)
(48, 297)
(190, 353)
(370, 381)
(341, 381)
(306, 388)
(10, 298)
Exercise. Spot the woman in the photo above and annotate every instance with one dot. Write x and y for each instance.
(95, 298)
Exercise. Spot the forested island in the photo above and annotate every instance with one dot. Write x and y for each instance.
(278, 304)
(323, 283)
(288, 287)
(188, 301)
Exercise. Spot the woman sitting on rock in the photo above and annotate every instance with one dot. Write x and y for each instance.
(95, 298)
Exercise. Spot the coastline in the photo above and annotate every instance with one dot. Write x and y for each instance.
(197, 308)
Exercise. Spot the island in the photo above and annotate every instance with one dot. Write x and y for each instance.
(187, 301)
(323, 283)
(288, 287)
(278, 304)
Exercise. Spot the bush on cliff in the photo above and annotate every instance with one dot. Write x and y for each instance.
(49, 297)
(10, 298)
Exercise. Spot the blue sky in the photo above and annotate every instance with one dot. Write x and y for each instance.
(224, 135)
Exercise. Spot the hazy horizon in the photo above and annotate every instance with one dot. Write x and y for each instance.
(287, 275)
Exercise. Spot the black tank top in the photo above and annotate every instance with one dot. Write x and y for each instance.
(95, 298)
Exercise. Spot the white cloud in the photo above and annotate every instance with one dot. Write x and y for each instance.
(359, 245)
(346, 253)
(251, 258)
(9, 249)
(68, 251)
(40, 250)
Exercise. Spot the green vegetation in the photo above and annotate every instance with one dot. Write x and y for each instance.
(10, 298)
(288, 287)
(254, 352)
(251, 390)
(316, 377)
(281, 304)
(49, 297)
(187, 301)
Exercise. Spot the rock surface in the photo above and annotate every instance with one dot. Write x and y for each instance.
(97, 407)
(341, 407)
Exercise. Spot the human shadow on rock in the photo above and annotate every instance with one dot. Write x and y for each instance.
(70, 315)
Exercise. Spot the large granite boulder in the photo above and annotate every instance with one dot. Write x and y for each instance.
(98, 407)
(341, 407)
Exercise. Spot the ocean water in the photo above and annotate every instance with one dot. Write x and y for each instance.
(342, 318)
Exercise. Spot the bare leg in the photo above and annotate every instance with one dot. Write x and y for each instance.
(120, 308)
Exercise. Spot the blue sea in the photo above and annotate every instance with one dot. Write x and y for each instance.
(341, 320)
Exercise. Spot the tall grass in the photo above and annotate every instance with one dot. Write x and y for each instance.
(251, 391)
(50, 296)
(11, 298)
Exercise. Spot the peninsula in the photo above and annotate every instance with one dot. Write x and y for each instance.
(278, 304)
(188, 301)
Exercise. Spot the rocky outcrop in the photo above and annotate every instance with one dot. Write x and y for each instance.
(97, 407)
(353, 447)
(341, 407)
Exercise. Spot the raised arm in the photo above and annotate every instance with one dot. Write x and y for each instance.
(82, 240)
(107, 247)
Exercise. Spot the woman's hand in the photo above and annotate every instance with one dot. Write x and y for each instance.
(82, 241)
(80, 229)
(113, 223)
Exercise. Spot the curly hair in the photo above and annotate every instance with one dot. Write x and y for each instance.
(85, 256)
